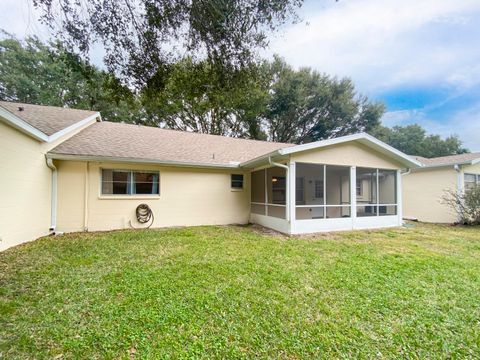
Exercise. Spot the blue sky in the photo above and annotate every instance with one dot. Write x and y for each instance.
(420, 57)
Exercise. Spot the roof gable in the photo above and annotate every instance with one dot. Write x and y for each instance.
(362, 138)
(45, 123)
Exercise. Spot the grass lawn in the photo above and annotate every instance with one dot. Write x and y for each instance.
(233, 292)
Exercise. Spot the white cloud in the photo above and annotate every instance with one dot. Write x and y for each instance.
(387, 43)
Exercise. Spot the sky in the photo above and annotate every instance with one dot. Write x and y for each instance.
(420, 57)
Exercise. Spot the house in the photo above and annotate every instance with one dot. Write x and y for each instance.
(424, 188)
(65, 170)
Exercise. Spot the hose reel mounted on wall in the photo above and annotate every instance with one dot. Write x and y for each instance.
(144, 215)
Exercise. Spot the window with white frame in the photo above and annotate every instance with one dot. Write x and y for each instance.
(318, 189)
(130, 182)
(471, 180)
(236, 181)
(359, 187)
(300, 190)
(279, 193)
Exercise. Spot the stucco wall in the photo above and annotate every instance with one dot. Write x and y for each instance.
(348, 154)
(187, 197)
(423, 191)
(471, 169)
(25, 186)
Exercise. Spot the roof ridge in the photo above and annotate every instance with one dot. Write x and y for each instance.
(198, 133)
(51, 106)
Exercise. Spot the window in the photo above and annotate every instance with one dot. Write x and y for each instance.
(319, 189)
(471, 180)
(127, 182)
(237, 181)
(359, 188)
(278, 190)
(299, 194)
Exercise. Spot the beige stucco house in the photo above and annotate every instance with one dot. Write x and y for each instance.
(67, 170)
(424, 188)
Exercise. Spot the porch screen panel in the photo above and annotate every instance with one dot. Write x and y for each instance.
(387, 192)
(258, 192)
(378, 193)
(367, 194)
(337, 191)
(311, 204)
(277, 192)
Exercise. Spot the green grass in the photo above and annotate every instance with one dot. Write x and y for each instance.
(233, 292)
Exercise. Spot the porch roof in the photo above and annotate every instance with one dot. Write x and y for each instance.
(362, 138)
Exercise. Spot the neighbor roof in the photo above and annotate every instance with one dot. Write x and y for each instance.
(49, 120)
(125, 142)
(470, 158)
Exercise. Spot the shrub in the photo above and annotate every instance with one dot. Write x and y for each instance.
(465, 204)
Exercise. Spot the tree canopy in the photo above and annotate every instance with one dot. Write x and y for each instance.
(268, 100)
(414, 140)
(47, 74)
(141, 36)
(305, 106)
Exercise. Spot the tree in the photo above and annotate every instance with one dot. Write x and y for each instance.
(413, 140)
(306, 106)
(47, 74)
(196, 97)
(142, 36)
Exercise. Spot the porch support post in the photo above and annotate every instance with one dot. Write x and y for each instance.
(399, 198)
(353, 195)
(292, 198)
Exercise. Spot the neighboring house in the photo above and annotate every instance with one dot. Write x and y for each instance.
(424, 188)
(65, 170)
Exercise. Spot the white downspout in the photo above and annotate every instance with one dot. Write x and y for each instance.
(407, 172)
(287, 182)
(53, 216)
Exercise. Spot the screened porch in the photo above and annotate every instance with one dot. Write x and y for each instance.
(307, 197)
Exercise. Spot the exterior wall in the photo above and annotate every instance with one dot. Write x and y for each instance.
(347, 154)
(25, 191)
(422, 193)
(471, 169)
(187, 197)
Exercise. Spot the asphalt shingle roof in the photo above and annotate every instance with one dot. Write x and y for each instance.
(117, 140)
(448, 160)
(47, 119)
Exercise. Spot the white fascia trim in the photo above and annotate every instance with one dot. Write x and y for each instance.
(385, 148)
(380, 145)
(22, 125)
(475, 161)
(139, 161)
(25, 127)
(73, 127)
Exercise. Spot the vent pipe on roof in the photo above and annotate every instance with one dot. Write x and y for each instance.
(20, 108)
